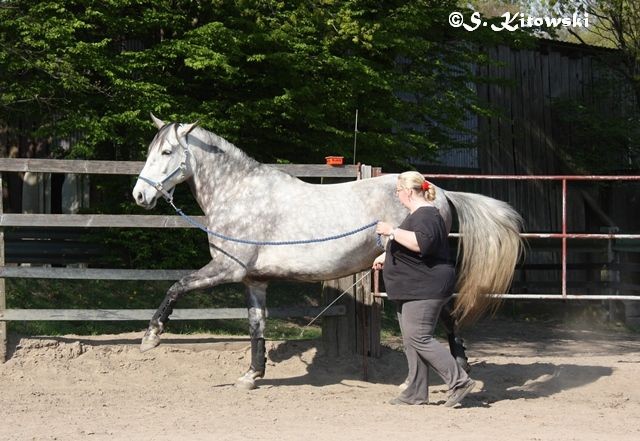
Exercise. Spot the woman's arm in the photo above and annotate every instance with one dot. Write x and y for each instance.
(405, 238)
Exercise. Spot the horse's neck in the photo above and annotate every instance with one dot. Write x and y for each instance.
(221, 170)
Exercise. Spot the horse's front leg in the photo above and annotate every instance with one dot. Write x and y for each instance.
(257, 306)
(206, 277)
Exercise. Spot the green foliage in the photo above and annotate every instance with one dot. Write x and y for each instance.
(587, 131)
(609, 123)
(282, 80)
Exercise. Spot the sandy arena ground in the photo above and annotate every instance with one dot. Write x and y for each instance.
(536, 382)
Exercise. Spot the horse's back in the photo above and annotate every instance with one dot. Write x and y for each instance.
(315, 212)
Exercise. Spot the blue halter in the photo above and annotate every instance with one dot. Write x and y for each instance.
(182, 168)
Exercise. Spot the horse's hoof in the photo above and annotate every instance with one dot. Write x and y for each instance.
(149, 341)
(248, 380)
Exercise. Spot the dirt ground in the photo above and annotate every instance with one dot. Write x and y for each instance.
(536, 381)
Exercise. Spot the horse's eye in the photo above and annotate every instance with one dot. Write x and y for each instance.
(166, 152)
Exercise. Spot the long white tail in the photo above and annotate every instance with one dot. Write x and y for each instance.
(490, 246)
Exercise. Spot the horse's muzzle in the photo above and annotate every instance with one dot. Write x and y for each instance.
(145, 199)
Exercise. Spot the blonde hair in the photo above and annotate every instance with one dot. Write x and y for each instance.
(414, 180)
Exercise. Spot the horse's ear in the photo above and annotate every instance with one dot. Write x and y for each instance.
(157, 121)
(185, 129)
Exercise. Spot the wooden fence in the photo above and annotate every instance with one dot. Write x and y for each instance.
(347, 316)
(533, 134)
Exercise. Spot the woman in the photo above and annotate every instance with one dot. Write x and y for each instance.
(420, 278)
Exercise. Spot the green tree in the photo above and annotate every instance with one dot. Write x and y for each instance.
(280, 79)
(617, 25)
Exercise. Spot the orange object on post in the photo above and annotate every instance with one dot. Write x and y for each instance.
(334, 160)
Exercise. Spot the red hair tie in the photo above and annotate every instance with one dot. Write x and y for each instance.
(425, 186)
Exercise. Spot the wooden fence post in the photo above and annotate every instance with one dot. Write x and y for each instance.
(339, 333)
(369, 320)
(359, 330)
(3, 299)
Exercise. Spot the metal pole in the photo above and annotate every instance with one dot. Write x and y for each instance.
(376, 282)
(355, 137)
(550, 296)
(537, 177)
(564, 238)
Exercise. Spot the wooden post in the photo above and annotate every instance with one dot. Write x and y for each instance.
(3, 299)
(359, 330)
(363, 302)
(368, 317)
(338, 333)
(375, 325)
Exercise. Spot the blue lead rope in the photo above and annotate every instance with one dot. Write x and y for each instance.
(276, 243)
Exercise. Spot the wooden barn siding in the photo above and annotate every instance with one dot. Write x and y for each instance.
(523, 140)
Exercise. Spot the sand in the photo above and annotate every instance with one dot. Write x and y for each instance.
(536, 381)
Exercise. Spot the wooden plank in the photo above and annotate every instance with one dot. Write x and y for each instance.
(538, 112)
(134, 167)
(549, 189)
(519, 127)
(318, 170)
(547, 148)
(527, 98)
(538, 197)
(577, 79)
(516, 192)
(95, 221)
(507, 159)
(71, 166)
(493, 147)
(27, 272)
(3, 294)
(146, 314)
(484, 127)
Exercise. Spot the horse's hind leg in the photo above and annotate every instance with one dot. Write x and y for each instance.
(456, 344)
(256, 304)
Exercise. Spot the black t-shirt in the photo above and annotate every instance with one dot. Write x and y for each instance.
(428, 274)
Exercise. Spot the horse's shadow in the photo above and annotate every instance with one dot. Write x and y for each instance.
(323, 369)
(515, 381)
(497, 382)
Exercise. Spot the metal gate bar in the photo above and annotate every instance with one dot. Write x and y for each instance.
(564, 235)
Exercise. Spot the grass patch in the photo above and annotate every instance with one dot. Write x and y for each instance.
(106, 294)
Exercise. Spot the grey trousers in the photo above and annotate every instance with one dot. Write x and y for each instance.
(418, 319)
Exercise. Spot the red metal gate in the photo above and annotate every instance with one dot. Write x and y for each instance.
(563, 235)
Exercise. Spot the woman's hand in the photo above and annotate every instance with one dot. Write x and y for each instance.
(378, 263)
(384, 228)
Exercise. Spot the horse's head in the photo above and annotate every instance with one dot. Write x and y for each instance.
(169, 162)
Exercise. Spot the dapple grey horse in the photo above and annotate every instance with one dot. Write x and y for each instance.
(242, 198)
